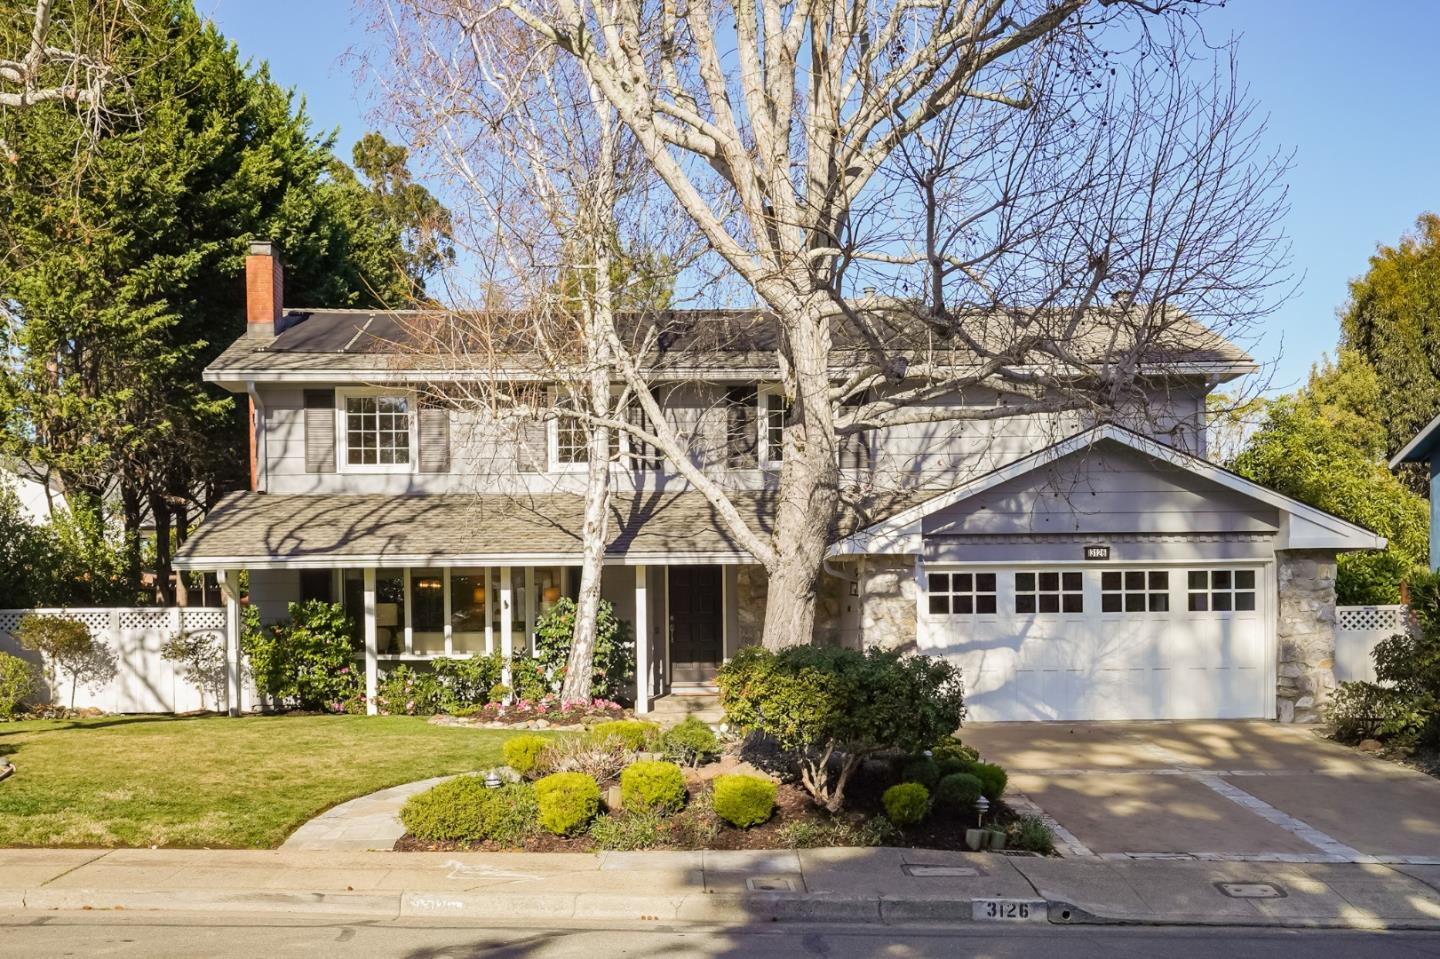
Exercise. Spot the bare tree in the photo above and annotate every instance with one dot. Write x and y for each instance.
(1025, 200)
(68, 60)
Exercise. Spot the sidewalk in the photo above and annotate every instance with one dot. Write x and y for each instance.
(834, 885)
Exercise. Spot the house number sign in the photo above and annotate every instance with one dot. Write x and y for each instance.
(1097, 552)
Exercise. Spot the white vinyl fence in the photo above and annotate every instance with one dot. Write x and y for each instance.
(1357, 630)
(144, 682)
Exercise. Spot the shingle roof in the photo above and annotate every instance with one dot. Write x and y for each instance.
(719, 340)
(265, 529)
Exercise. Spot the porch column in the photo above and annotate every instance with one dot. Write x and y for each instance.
(372, 646)
(230, 588)
(642, 641)
(507, 623)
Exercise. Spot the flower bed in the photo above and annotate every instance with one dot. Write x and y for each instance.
(547, 712)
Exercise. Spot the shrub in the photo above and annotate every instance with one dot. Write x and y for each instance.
(499, 693)
(951, 765)
(601, 761)
(466, 682)
(696, 826)
(409, 692)
(567, 801)
(922, 770)
(906, 804)
(67, 646)
(631, 829)
(19, 680)
(613, 666)
(465, 810)
(958, 792)
(813, 834)
(527, 678)
(307, 660)
(825, 702)
(651, 785)
(636, 734)
(1032, 834)
(743, 800)
(993, 779)
(950, 748)
(1359, 710)
(690, 742)
(522, 753)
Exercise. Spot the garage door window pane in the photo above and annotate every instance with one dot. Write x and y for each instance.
(1135, 591)
(1049, 592)
(960, 594)
(1222, 590)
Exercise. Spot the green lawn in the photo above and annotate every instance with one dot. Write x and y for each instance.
(212, 781)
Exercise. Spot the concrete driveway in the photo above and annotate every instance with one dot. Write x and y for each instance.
(1213, 789)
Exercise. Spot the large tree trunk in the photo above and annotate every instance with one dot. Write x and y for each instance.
(809, 491)
(160, 511)
(581, 665)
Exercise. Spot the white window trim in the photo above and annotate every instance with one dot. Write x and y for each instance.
(621, 462)
(342, 453)
(763, 396)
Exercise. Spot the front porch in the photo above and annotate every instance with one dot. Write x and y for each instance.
(686, 619)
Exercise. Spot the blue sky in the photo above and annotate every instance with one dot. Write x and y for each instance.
(1351, 88)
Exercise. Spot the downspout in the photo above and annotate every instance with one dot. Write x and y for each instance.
(259, 463)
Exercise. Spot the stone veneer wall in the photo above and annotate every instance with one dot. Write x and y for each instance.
(752, 586)
(887, 602)
(1305, 633)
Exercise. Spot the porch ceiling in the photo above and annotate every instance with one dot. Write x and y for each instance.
(262, 530)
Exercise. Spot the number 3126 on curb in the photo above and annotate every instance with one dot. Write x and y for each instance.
(1009, 910)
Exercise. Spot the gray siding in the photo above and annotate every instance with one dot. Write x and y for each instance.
(1105, 489)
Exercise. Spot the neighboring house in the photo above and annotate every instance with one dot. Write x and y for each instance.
(1425, 448)
(35, 498)
(1074, 570)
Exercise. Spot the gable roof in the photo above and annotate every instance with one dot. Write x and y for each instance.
(1302, 526)
(401, 345)
(1421, 449)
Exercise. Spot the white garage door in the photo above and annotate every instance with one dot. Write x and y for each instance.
(1133, 643)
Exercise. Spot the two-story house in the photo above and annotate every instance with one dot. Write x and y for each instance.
(1075, 570)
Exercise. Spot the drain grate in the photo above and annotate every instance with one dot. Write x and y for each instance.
(926, 871)
(1250, 890)
(770, 884)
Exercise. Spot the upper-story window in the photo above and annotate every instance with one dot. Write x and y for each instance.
(376, 430)
(570, 442)
(774, 411)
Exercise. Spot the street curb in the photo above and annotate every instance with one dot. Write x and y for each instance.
(769, 907)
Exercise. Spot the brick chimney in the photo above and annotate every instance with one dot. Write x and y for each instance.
(264, 290)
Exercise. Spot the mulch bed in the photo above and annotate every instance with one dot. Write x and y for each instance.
(792, 805)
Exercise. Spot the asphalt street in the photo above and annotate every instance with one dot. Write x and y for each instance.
(237, 936)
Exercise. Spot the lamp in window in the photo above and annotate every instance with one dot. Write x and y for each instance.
(430, 584)
(550, 594)
(477, 596)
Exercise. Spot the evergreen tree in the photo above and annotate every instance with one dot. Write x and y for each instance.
(119, 286)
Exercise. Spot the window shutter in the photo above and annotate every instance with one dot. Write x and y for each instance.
(643, 456)
(855, 448)
(531, 448)
(741, 428)
(319, 431)
(434, 437)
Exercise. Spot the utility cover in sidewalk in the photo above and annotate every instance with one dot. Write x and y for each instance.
(769, 884)
(923, 871)
(1250, 890)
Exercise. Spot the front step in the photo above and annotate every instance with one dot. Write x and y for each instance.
(674, 708)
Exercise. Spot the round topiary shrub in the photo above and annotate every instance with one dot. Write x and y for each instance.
(957, 792)
(743, 800)
(636, 734)
(950, 765)
(19, 681)
(652, 786)
(951, 748)
(993, 779)
(906, 804)
(523, 752)
(922, 770)
(464, 809)
(690, 743)
(567, 801)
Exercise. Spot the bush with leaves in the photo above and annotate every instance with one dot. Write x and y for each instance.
(1032, 834)
(464, 809)
(307, 661)
(1403, 706)
(629, 830)
(568, 801)
(922, 770)
(409, 692)
(528, 682)
(19, 682)
(743, 800)
(66, 646)
(466, 682)
(690, 742)
(522, 753)
(958, 792)
(906, 804)
(652, 785)
(614, 656)
(635, 734)
(834, 707)
(201, 657)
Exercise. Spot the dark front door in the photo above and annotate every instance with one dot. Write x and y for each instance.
(696, 631)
